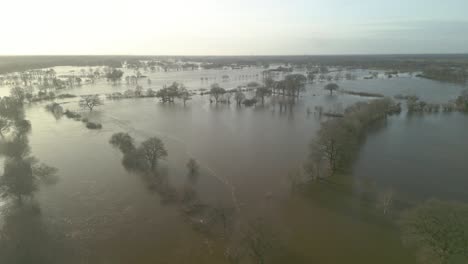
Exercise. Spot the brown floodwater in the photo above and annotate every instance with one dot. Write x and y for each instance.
(99, 212)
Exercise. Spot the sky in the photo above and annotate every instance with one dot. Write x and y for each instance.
(232, 27)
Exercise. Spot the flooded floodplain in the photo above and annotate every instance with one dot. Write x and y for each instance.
(100, 212)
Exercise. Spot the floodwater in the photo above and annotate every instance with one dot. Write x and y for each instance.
(99, 212)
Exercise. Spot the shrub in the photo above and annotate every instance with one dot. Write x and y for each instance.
(250, 102)
(92, 125)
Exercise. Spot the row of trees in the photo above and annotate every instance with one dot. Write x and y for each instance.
(292, 85)
(145, 157)
(338, 138)
(45, 80)
(450, 74)
(436, 229)
(174, 91)
(415, 105)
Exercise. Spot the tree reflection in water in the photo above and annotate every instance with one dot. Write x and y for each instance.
(24, 236)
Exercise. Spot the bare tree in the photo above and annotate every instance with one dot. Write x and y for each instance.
(90, 101)
(332, 144)
(152, 149)
(184, 94)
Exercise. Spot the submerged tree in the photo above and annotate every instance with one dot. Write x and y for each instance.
(333, 143)
(90, 101)
(170, 93)
(295, 84)
(193, 167)
(18, 178)
(331, 87)
(114, 75)
(239, 96)
(123, 141)
(337, 138)
(152, 150)
(144, 157)
(269, 82)
(310, 76)
(216, 91)
(184, 94)
(262, 92)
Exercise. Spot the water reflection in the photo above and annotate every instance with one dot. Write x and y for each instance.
(26, 238)
(23, 235)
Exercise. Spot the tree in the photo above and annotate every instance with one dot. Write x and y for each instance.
(332, 144)
(262, 92)
(216, 91)
(462, 101)
(5, 125)
(22, 127)
(295, 83)
(114, 75)
(18, 94)
(192, 167)
(281, 85)
(239, 97)
(150, 92)
(123, 141)
(164, 95)
(439, 230)
(28, 93)
(184, 94)
(269, 82)
(152, 150)
(168, 94)
(310, 76)
(138, 91)
(90, 101)
(253, 84)
(18, 178)
(331, 87)
(323, 69)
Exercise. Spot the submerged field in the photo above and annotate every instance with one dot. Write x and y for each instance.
(99, 212)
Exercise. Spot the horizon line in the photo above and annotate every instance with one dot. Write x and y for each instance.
(240, 55)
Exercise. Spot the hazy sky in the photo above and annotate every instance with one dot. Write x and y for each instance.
(233, 27)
